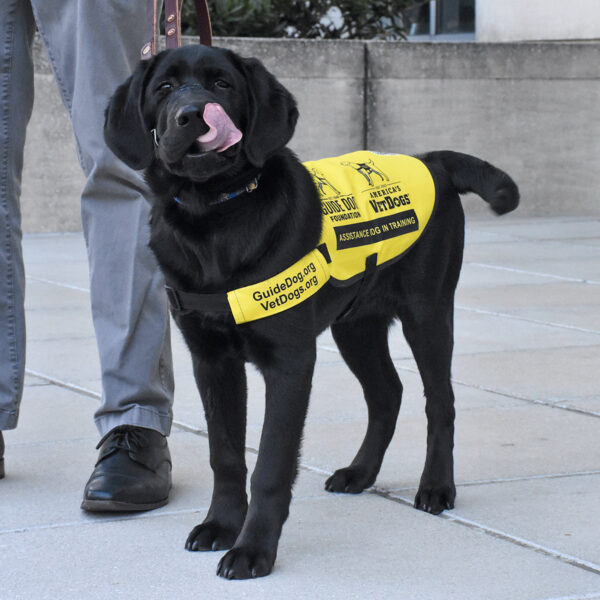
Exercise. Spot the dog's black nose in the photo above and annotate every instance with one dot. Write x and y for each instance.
(187, 114)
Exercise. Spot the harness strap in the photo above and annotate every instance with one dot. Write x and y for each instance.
(365, 285)
(214, 303)
(219, 302)
(173, 26)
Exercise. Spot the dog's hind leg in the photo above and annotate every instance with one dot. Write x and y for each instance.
(364, 346)
(428, 328)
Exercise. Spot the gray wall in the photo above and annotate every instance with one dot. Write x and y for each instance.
(532, 109)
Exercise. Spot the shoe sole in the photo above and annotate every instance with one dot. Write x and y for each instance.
(115, 506)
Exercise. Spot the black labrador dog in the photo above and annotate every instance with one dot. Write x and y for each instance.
(232, 207)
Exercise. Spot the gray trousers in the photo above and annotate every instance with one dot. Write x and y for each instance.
(93, 46)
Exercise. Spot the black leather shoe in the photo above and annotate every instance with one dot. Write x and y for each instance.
(1, 456)
(133, 472)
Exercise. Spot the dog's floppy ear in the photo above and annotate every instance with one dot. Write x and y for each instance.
(125, 131)
(272, 115)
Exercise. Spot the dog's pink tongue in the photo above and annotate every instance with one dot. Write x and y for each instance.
(222, 133)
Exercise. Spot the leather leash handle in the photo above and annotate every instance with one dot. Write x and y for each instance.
(173, 26)
(203, 24)
(173, 23)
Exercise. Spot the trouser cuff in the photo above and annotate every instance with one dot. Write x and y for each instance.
(8, 419)
(138, 416)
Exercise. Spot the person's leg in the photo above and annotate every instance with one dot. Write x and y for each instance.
(16, 101)
(93, 47)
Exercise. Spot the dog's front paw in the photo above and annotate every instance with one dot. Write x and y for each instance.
(435, 499)
(245, 563)
(211, 536)
(350, 480)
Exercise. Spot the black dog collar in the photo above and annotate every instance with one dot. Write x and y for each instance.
(225, 196)
(247, 189)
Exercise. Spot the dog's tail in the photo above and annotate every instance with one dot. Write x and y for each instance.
(470, 174)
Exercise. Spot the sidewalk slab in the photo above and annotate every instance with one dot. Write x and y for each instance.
(544, 374)
(496, 437)
(532, 508)
(527, 458)
(328, 550)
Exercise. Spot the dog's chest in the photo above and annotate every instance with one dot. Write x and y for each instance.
(192, 260)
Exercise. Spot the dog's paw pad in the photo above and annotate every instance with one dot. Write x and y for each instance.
(350, 480)
(210, 536)
(435, 500)
(245, 563)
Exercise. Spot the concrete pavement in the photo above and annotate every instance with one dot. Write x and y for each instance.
(525, 526)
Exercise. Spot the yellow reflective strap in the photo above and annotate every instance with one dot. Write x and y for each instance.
(283, 291)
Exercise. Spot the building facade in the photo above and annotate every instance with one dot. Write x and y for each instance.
(506, 20)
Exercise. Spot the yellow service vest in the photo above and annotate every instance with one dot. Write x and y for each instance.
(372, 204)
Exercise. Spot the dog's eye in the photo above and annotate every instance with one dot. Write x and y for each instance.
(164, 86)
(221, 83)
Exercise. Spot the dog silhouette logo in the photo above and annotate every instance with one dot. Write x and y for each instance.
(322, 182)
(367, 169)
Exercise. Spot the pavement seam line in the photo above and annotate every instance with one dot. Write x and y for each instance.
(105, 519)
(483, 388)
(591, 596)
(502, 535)
(503, 239)
(155, 514)
(58, 284)
(492, 313)
(542, 477)
(64, 384)
(535, 273)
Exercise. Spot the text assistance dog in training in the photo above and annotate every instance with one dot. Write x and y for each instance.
(261, 253)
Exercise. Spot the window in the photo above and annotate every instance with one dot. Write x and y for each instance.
(443, 20)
